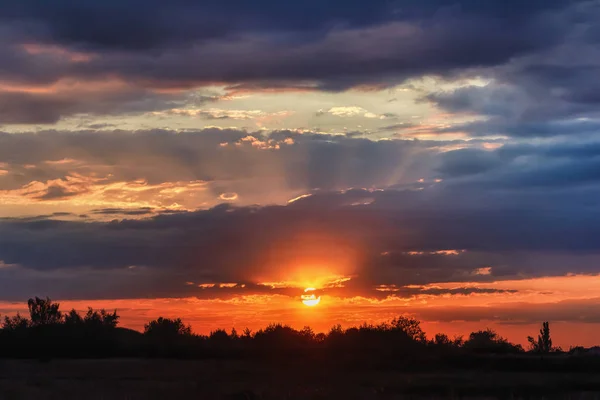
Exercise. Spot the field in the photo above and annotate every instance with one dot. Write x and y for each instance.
(207, 379)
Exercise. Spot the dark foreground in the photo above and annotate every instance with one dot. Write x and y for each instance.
(228, 379)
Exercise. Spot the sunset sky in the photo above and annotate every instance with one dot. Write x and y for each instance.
(212, 159)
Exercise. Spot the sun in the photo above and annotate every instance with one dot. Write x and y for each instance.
(309, 299)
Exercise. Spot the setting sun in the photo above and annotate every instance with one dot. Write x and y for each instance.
(310, 299)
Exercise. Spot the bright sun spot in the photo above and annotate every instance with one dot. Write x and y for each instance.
(309, 299)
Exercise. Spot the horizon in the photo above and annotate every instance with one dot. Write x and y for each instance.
(562, 333)
(439, 159)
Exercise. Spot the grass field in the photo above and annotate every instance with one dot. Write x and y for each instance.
(176, 379)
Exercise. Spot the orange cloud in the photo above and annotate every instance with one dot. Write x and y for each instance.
(58, 51)
(93, 192)
(450, 252)
(483, 271)
(69, 86)
(266, 144)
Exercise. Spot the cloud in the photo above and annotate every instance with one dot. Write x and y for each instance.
(346, 111)
(353, 111)
(215, 113)
(193, 168)
(374, 244)
(120, 211)
(77, 190)
(149, 24)
(546, 93)
(159, 50)
(483, 271)
(64, 100)
(514, 166)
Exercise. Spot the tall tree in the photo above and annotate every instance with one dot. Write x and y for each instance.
(543, 344)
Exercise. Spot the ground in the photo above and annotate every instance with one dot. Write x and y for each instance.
(224, 379)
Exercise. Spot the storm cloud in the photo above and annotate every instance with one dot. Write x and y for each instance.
(315, 46)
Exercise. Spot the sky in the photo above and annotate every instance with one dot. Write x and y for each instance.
(210, 160)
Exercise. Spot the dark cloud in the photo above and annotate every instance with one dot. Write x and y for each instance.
(513, 111)
(558, 166)
(342, 58)
(313, 46)
(150, 24)
(394, 239)
(121, 211)
(100, 126)
(547, 128)
(399, 126)
(547, 93)
(468, 162)
(186, 44)
(56, 192)
(31, 108)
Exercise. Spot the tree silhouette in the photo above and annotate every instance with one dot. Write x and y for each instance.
(49, 333)
(167, 328)
(488, 341)
(92, 319)
(72, 318)
(101, 318)
(307, 333)
(219, 336)
(15, 323)
(336, 331)
(410, 326)
(44, 311)
(441, 339)
(234, 335)
(247, 333)
(278, 336)
(543, 344)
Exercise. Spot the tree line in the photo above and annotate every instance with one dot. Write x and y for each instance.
(49, 333)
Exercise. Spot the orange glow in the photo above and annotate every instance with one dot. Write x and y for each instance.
(513, 315)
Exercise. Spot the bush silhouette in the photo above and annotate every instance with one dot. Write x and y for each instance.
(488, 341)
(15, 323)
